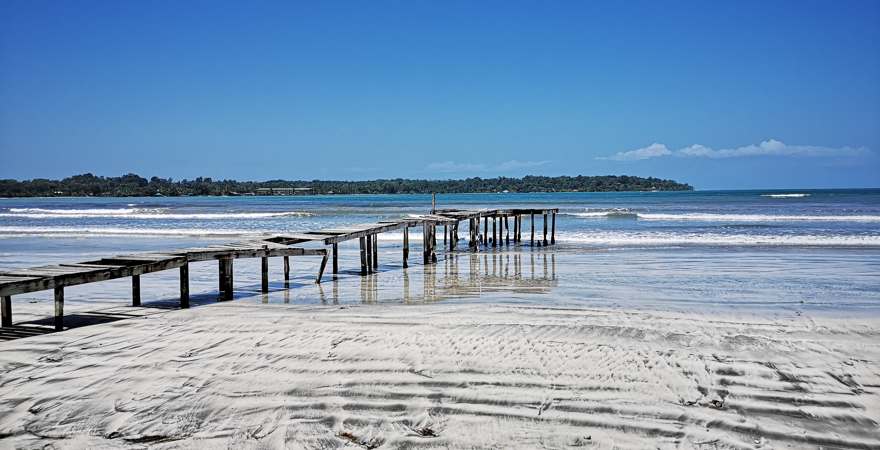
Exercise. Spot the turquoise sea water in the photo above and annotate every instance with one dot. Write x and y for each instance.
(798, 217)
(816, 249)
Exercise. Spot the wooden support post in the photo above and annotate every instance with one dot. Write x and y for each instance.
(515, 226)
(426, 240)
(321, 269)
(264, 274)
(452, 236)
(545, 229)
(221, 275)
(135, 290)
(434, 243)
(6, 311)
(485, 231)
(533, 228)
(363, 248)
(375, 252)
(405, 246)
(59, 308)
(506, 230)
(369, 253)
(444, 235)
(335, 258)
(184, 285)
(286, 268)
(519, 228)
(226, 278)
(494, 232)
(553, 228)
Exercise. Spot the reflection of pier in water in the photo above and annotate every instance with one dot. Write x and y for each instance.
(461, 276)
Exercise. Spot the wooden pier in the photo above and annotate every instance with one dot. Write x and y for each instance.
(57, 277)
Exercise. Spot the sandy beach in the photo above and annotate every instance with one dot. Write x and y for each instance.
(448, 375)
(439, 225)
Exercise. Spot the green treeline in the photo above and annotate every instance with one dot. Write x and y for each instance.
(134, 185)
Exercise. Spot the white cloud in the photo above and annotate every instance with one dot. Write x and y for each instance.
(516, 164)
(770, 147)
(452, 166)
(652, 151)
(506, 166)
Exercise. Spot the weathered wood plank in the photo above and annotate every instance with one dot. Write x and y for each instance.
(10, 285)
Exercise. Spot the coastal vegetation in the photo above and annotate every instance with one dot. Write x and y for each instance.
(135, 185)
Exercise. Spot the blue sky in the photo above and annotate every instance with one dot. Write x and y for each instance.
(737, 95)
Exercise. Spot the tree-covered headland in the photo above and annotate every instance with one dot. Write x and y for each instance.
(134, 185)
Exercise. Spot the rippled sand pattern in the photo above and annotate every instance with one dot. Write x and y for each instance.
(242, 375)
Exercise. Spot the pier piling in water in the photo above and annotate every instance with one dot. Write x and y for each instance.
(532, 223)
(545, 229)
(406, 246)
(363, 247)
(57, 277)
(264, 274)
(376, 252)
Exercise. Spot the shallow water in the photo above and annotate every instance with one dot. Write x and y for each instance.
(779, 251)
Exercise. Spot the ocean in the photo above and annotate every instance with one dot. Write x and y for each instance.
(759, 249)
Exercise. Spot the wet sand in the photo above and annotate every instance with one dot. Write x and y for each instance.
(503, 361)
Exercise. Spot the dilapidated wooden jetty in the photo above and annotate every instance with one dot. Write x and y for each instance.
(496, 231)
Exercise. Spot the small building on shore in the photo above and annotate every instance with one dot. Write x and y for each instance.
(282, 190)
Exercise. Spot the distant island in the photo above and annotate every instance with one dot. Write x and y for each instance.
(132, 185)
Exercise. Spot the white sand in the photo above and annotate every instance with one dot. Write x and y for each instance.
(454, 375)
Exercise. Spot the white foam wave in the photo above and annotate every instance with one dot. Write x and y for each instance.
(141, 213)
(81, 212)
(107, 231)
(659, 239)
(710, 217)
(798, 195)
(652, 239)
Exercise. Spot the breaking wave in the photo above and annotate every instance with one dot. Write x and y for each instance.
(102, 231)
(142, 213)
(653, 239)
(711, 217)
(798, 195)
